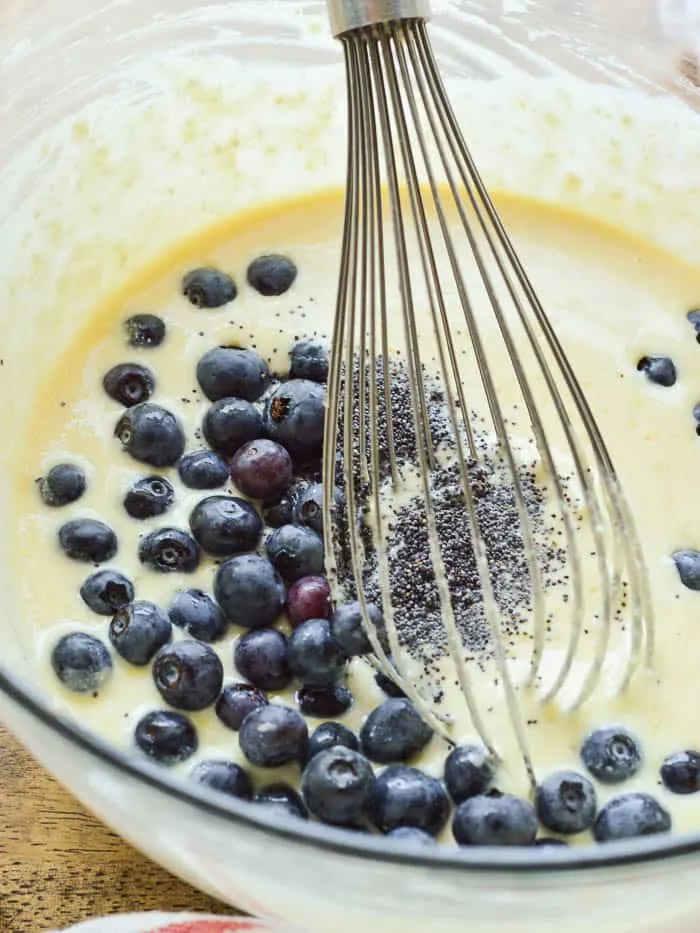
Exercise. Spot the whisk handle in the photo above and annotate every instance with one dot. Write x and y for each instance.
(348, 15)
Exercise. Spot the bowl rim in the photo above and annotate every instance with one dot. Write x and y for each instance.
(343, 842)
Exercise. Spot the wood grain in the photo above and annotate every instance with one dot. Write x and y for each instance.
(59, 865)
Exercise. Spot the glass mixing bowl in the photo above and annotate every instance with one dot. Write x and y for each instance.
(60, 56)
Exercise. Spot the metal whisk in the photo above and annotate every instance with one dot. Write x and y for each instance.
(432, 293)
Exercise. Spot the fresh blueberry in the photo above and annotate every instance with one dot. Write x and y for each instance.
(388, 686)
(308, 507)
(394, 731)
(295, 552)
(631, 815)
(658, 369)
(224, 776)
(188, 675)
(688, 566)
(547, 842)
(145, 330)
(347, 627)
(324, 702)
(208, 288)
(612, 754)
(81, 662)
(469, 770)
(309, 360)
(88, 540)
(294, 416)
(566, 803)
(149, 497)
(279, 511)
(261, 657)
(261, 469)
(409, 835)
(151, 434)
(232, 371)
(405, 796)
(308, 598)
(696, 415)
(166, 737)
(62, 485)
(198, 615)
(139, 630)
(284, 798)
(330, 734)
(106, 591)
(694, 320)
(203, 469)
(680, 772)
(169, 550)
(129, 384)
(236, 702)
(273, 735)
(494, 820)
(271, 275)
(230, 423)
(249, 591)
(337, 784)
(313, 655)
(225, 525)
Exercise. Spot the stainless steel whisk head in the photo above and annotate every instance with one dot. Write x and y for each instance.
(455, 419)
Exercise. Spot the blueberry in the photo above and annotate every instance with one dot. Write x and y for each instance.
(208, 288)
(409, 835)
(337, 785)
(308, 507)
(387, 685)
(295, 552)
(224, 776)
(348, 629)
(169, 550)
(681, 772)
(129, 384)
(330, 734)
(203, 469)
(394, 731)
(261, 657)
(271, 275)
(139, 630)
(309, 360)
(405, 796)
(198, 615)
(106, 591)
(313, 655)
(273, 735)
(81, 662)
(230, 423)
(694, 320)
(308, 598)
(149, 497)
(294, 416)
(688, 566)
(188, 675)
(324, 702)
(225, 525)
(566, 803)
(631, 815)
(62, 485)
(658, 369)
(236, 702)
(261, 469)
(279, 511)
(469, 770)
(249, 591)
(145, 330)
(151, 434)
(494, 820)
(283, 798)
(232, 371)
(612, 754)
(88, 540)
(166, 737)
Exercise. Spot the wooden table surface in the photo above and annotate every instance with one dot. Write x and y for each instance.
(59, 865)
